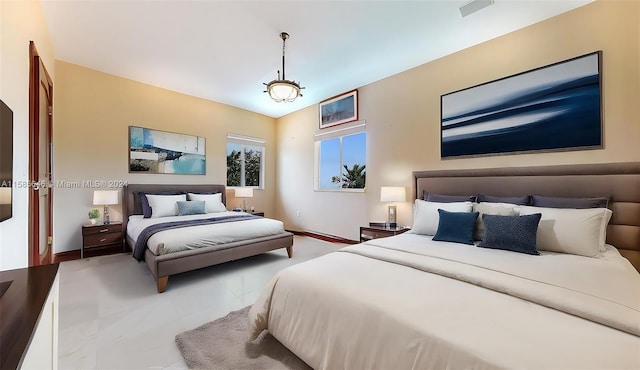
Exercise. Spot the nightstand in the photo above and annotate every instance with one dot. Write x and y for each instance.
(375, 232)
(101, 236)
(261, 214)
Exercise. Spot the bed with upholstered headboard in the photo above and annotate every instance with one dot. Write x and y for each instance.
(164, 265)
(619, 181)
(438, 296)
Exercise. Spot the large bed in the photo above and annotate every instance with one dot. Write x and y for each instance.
(243, 236)
(409, 301)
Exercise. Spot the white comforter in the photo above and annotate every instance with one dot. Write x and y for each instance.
(383, 304)
(192, 237)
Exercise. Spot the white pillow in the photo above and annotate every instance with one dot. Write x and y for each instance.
(212, 202)
(426, 217)
(489, 208)
(164, 205)
(574, 231)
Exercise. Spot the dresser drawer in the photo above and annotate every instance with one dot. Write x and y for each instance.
(102, 229)
(370, 234)
(94, 240)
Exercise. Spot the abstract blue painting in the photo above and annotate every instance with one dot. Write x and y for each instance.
(556, 107)
(154, 151)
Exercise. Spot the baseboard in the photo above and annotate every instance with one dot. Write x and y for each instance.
(91, 252)
(66, 256)
(324, 237)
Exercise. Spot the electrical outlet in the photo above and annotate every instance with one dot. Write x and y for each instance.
(298, 213)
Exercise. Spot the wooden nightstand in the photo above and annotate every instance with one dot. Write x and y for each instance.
(102, 236)
(261, 214)
(375, 232)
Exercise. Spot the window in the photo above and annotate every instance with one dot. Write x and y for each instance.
(341, 158)
(245, 161)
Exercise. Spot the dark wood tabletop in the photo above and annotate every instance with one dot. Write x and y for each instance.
(20, 308)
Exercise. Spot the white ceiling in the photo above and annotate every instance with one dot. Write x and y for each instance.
(225, 50)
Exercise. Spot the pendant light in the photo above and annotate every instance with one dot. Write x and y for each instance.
(283, 90)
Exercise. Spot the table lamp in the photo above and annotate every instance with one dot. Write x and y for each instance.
(244, 193)
(105, 198)
(392, 194)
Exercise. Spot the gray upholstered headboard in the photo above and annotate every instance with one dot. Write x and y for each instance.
(620, 181)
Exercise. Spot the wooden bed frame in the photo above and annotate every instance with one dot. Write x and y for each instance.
(174, 263)
(620, 181)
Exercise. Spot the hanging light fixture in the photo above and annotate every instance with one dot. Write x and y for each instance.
(283, 90)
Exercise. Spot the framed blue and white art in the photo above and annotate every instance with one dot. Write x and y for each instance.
(154, 151)
(552, 108)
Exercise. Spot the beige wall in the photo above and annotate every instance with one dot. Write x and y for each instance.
(20, 22)
(402, 114)
(93, 111)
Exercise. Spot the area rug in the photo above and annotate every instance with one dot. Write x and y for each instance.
(224, 344)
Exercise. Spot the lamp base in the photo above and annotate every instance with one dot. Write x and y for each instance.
(105, 220)
(392, 217)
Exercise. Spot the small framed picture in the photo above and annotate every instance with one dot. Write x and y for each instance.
(339, 109)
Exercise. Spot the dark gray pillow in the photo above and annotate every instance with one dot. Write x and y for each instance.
(511, 233)
(456, 227)
(440, 198)
(578, 203)
(523, 200)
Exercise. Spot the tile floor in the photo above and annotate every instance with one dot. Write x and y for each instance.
(112, 318)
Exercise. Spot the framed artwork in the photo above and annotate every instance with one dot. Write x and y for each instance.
(154, 151)
(339, 109)
(552, 108)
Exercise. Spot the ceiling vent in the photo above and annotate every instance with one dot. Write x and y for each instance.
(474, 6)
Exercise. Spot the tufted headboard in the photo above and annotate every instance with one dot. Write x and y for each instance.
(620, 181)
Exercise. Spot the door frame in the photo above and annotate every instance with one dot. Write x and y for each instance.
(35, 127)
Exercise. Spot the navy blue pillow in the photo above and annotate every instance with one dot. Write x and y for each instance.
(523, 200)
(440, 198)
(511, 233)
(578, 203)
(456, 227)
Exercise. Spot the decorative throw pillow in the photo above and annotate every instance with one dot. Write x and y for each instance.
(523, 200)
(577, 203)
(441, 198)
(144, 202)
(511, 233)
(426, 217)
(502, 209)
(573, 231)
(164, 205)
(191, 207)
(213, 202)
(456, 227)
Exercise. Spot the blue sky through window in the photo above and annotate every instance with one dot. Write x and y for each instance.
(353, 152)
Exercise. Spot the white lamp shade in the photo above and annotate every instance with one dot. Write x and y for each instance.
(244, 193)
(5, 195)
(393, 194)
(282, 91)
(105, 197)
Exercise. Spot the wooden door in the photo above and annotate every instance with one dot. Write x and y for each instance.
(40, 161)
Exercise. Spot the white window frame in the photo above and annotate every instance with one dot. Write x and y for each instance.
(340, 132)
(247, 141)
